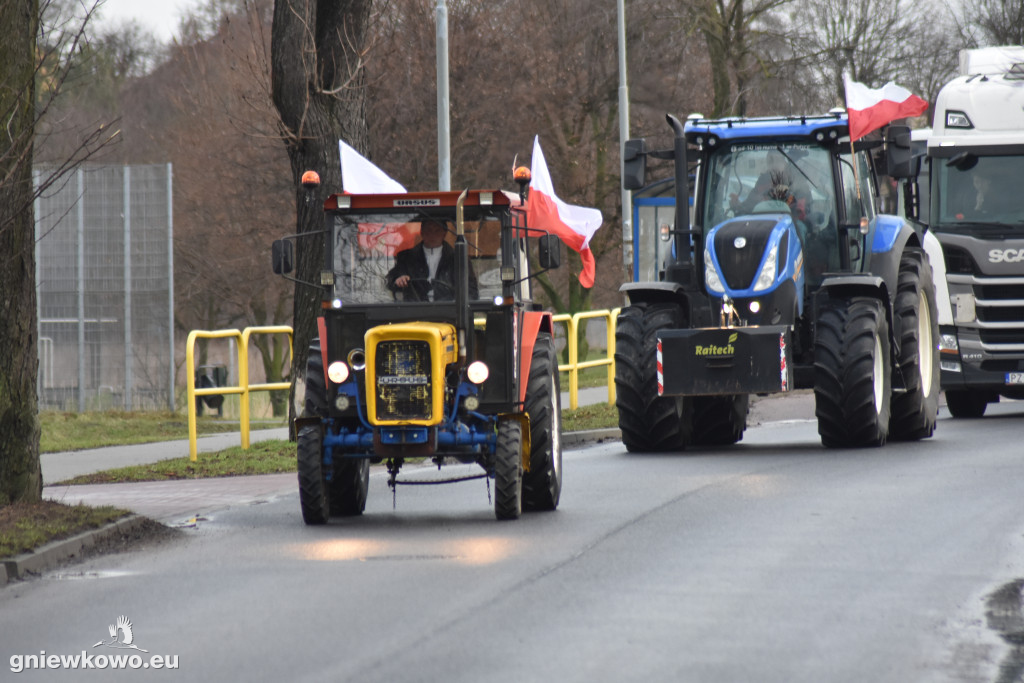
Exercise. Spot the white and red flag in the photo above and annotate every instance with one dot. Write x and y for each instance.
(359, 175)
(871, 109)
(574, 225)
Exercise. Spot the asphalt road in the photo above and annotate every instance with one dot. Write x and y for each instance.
(774, 560)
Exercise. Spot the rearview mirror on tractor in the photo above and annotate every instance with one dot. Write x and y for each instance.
(282, 255)
(634, 164)
(549, 251)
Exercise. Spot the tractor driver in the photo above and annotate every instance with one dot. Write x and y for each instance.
(426, 272)
(774, 183)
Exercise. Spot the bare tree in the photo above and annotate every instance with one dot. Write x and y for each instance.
(31, 52)
(318, 86)
(990, 22)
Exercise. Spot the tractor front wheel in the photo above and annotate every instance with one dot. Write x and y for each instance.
(508, 470)
(852, 381)
(648, 420)
(313, 493)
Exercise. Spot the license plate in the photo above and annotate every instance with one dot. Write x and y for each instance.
(1015, 378)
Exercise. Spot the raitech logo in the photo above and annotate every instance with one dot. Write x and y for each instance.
(716, 351)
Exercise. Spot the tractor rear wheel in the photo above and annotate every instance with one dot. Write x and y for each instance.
(542, 485)
(719, 420)
(648, 421)
(508, 470)
(915, 411)
(852, 382)
(313, 492)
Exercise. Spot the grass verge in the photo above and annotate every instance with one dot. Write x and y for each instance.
(79, 431)
(27, 526)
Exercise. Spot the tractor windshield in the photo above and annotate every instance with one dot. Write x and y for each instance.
(768, 178)
(390, 258)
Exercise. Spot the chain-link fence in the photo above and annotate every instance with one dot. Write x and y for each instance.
(105, 283)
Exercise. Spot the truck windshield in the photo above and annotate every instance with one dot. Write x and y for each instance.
(978, 192)
(769, 178)
(389, 259)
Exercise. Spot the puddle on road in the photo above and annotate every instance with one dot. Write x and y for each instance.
(1004, 613)
(75, 576)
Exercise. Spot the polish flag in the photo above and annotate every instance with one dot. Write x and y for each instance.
(359, 175)
(574, 225)
(871, 109)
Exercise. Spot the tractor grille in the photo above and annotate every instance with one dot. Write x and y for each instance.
(739, 264)
(403, 380)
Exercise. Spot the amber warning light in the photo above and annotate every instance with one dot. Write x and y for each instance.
(311, 180)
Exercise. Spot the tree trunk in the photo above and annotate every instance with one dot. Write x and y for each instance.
(318, 85)
(20, 475)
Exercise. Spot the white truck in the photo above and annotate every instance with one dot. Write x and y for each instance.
(972, 198)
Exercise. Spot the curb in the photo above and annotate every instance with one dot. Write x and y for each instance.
(591, 436)
(55, 552)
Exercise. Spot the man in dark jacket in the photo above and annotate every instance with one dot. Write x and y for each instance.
(426, 272)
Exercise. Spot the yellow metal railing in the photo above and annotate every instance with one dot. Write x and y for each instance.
(243, 388)
(574, 365)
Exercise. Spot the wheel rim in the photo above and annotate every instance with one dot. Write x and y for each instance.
(556, 432)
(879, 369)
(925, 343)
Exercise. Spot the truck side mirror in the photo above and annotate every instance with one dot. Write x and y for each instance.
(282, 257)
(549, 251)
(634, 164)
(899, 154)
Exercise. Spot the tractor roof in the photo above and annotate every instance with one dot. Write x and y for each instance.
(418, 200)
(818, 129)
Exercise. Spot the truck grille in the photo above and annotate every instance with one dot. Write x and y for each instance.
(999, 306)
(403, 380)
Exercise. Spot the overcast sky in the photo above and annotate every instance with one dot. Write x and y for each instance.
(158, 16)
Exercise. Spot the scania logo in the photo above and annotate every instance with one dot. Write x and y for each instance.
(1006, 255)
(739, 242)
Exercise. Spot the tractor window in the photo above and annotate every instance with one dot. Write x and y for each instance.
(371, 254)
(753, 178)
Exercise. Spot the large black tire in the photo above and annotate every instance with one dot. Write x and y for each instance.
(852, 382)
(542, 485)
(648, 422)
(350, 478)
(966, 403)
(508, 470)
(915, 411)
(313, 493)
(719, 420)
(350, 481)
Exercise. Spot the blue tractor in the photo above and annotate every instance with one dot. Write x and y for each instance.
(782, 276)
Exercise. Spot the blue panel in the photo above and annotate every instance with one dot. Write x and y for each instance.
(400, 435)
(887, 229)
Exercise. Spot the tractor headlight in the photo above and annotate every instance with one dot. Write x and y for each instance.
(768, 270)
(711, 279)
(477, 372)
(337, 372)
